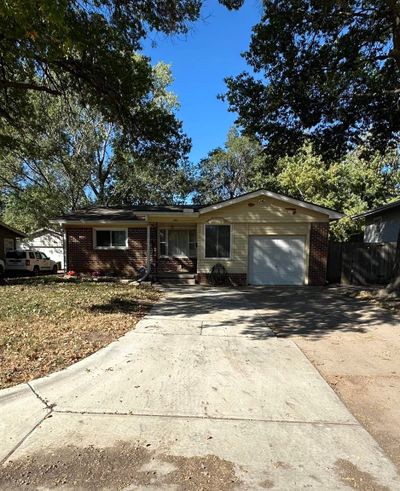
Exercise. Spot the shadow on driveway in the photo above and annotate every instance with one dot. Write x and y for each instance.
(288, 311)
(315, 312)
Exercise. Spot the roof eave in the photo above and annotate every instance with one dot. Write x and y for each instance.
(377, 211)
(144, 214)
(332, 214)
(14, 230)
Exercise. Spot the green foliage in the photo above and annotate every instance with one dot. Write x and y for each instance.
(352, 185)
(87, 49)
(72, 157)
(326, 71)
(228, 172)
(359, 181)
(155, 177)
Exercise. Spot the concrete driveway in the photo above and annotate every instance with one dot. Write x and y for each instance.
(201, 395)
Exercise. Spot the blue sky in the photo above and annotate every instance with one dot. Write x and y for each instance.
(200, 60)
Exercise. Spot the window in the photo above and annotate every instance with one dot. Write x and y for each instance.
(8, 245)
(37, 255)
(16, 255)
(110, 239)
(163, 242)
(192, 243)
(43, 255)
(378, 226)
(178, 243)
(31, 255)
(217, 241)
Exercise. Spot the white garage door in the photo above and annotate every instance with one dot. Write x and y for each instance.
(276, 260)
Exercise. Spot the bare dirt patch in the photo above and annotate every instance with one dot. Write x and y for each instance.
(115, 468)
(355, 478)
(48, 325)
(377, 296)
(363, 367)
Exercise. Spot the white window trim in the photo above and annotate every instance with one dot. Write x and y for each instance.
(230, 241)
(166, 243)
(110, 248)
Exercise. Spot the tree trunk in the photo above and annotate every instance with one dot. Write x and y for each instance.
(394, 285)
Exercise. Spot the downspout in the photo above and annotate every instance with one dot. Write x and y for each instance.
(148, 249)
(65, 243)
(148, 267)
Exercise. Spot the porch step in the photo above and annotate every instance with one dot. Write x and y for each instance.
(173, 275)
(176, 278)
(177, 281)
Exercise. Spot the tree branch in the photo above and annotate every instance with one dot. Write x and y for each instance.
(28, 86)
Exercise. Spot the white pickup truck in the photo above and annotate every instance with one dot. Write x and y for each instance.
(34, 262)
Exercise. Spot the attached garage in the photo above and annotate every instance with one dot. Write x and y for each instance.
(277, 260)
(274, 240)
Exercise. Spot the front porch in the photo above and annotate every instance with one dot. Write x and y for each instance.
(174, 252)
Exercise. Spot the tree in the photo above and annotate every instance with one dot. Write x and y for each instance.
(88, 49)
(352, 185)
(326, 71)
(151, 178)
(228, 172)
(73, 158)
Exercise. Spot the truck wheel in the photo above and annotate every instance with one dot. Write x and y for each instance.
(1, 271)
(55, 269)
(36, 271)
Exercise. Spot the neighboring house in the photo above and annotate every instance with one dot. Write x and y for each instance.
(48, 241)
(382, 224)
(8, 238)
(261, 238)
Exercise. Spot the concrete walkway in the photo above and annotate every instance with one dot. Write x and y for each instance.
(188, 400)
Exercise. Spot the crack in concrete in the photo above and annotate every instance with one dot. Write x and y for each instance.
(42, 399)
(17, 445)
(208, 417)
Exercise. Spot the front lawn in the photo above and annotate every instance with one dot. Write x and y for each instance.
(47, 324)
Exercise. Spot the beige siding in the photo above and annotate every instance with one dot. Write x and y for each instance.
(238, 261)
(265, 217)
(261, 210)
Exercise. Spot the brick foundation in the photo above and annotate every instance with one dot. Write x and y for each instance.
(237, 279)
(83, 258)
(318, 253)
(176, 265)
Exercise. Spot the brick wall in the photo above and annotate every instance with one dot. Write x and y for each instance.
(238, 279)
(83, 258)
(176, 265)
(318, 253)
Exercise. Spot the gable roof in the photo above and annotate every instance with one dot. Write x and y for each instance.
(11, 229)
(333, 214)
(138, 213)
(380, 209)
(44, 230)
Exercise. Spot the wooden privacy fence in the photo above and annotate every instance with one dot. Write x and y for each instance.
(355, 263)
